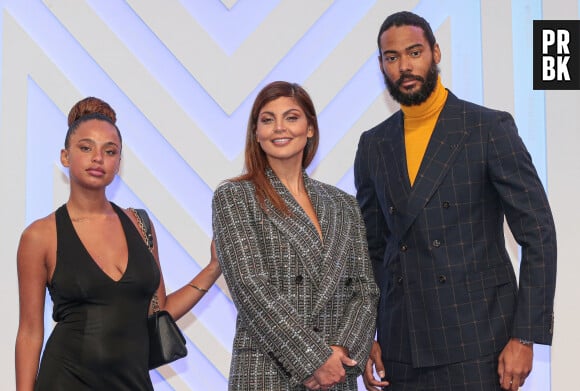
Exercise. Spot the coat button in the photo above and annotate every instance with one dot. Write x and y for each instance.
(348, 281)
(445, 204)
(442, 279)
(399, 280)
(436, 243)
(392, 210)
(298, 280)
(316, 329)
(404, 247)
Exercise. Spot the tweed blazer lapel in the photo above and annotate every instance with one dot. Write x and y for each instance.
(446, 141)
(336, 231)
(323, 261)
(298, 229)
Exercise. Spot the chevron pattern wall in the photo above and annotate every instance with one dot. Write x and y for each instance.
(182, 75)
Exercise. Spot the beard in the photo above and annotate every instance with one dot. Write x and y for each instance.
(414, 98)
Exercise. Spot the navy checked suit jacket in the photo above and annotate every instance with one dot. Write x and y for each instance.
(448, 289)
(295, 295)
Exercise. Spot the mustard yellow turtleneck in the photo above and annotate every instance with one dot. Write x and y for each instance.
(419, 124)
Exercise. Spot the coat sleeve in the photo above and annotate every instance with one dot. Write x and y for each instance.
(358, 327)
(528, 214)
(275, 324)
(376, 227)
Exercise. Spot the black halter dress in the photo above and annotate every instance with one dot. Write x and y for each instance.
(100, 340)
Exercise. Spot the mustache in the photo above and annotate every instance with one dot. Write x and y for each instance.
(409, 76)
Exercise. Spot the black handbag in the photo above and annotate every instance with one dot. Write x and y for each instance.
(166, 342)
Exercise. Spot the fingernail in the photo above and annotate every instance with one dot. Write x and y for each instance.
(381, 374)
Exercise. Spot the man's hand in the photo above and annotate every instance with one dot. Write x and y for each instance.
(374, 364)
(515, 364)
(331, 372)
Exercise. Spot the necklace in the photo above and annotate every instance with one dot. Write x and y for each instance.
(79, 219)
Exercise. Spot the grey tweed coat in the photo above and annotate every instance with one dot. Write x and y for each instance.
(294, 294)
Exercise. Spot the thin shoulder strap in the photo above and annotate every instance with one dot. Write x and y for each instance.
(145, 224)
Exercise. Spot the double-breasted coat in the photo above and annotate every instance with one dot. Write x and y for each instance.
(295, 294)
(448, 289)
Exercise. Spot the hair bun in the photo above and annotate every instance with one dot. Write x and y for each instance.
(91, 105)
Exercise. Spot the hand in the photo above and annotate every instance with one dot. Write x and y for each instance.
(515, 364)
(311, 383)
(375, 359)
(332, 371)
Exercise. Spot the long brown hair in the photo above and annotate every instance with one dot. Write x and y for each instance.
(256, 162)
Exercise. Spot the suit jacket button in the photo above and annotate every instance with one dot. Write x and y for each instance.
(404, 247)
(399, 280)
(298, 280)
(436, 243)
(442, 279)
(445, 204)
(392, 210)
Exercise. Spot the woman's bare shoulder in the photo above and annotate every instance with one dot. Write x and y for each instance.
(41, 229)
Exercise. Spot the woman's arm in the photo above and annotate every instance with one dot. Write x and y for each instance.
(32, 279)
(179, 302)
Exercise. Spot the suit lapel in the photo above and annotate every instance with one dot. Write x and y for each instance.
(447, 139)
(336, 232)
(298, 229)
(323, 261)
(391, 150)
(393, 153)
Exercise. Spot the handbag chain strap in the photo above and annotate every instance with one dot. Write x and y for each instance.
(145, 225)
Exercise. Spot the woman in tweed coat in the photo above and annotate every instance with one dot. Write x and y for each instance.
(293, 252)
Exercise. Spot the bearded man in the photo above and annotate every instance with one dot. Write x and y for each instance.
(435, 182)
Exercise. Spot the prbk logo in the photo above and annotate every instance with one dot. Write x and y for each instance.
(556, 54)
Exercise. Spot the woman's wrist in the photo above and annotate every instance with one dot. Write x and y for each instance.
(198, 288)
(213, 270)
(206, 278)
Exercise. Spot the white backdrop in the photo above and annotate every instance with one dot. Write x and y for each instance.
(182, 76)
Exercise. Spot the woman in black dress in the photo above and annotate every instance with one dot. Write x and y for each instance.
(100, 274)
